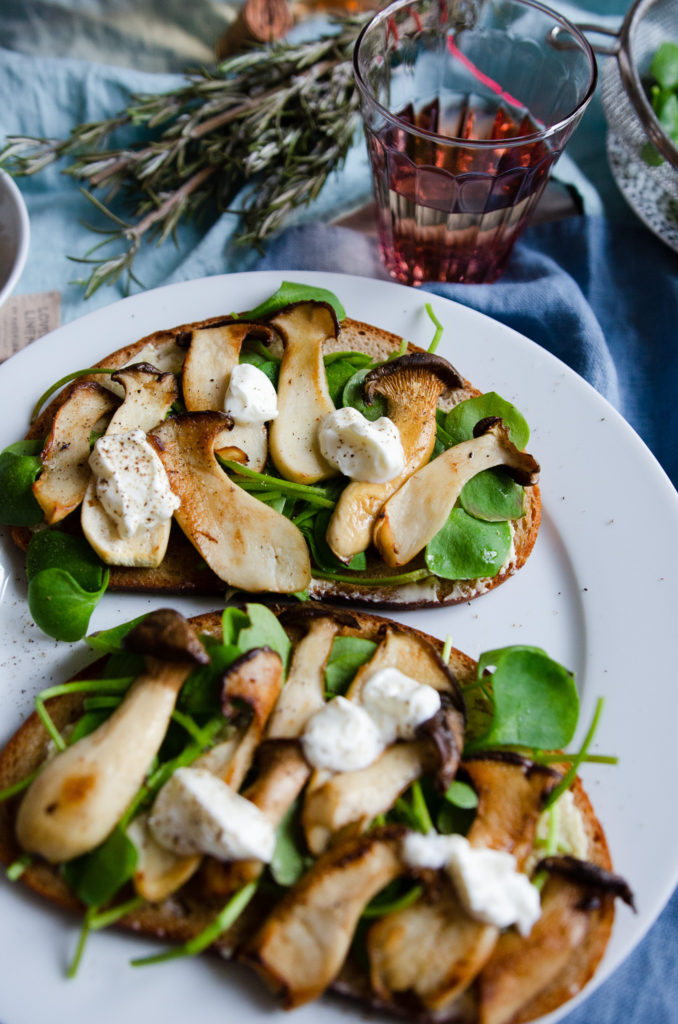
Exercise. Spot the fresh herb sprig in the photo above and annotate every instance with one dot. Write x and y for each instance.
(275, 120)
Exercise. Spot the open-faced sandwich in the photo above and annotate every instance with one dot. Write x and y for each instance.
(288, 450)
(386, 824)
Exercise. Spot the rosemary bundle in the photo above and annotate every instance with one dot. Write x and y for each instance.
(273, 122)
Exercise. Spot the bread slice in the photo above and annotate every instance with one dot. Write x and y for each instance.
(183, 569)
(187, 911)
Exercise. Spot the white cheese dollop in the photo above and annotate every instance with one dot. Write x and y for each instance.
(487, 882)
(251, 397)
(196, 812)
(359, 448)
(398, 704)
(131, 482)
(341, 737)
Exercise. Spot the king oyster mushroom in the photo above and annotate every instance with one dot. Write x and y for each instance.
(347, 802)
(149, 395)
(411, 386)
(251, 682)
(212, 354)
(245, 542)
(62, 484)
(303, 396)
(421, 507)
(511, 791)
(303, 943)
(78, 798)
(515, 984)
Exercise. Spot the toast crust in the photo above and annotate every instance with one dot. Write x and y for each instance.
(182, 571)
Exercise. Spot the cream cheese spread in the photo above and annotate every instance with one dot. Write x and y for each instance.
(487, 882)
(131, 482)
(341, 737)
(196, 812)
(250, 397)
(347, 735)
(362, 449)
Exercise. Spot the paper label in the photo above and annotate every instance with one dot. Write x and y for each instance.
(23, 318)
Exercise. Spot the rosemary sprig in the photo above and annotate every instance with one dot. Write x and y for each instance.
(273, 121)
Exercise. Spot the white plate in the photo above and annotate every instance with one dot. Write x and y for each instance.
(14, 235)
(599, 593)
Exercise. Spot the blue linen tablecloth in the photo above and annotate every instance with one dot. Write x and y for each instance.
(599, 290)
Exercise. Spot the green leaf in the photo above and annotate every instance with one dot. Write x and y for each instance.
(467, 548)
(290, 859)
(493, 496)
(668, 115)
(338, 373)
(264, 630)
(536, 703)
(60, 606)
(290, 292)
(346, 657)
(460, 421)
(664, 66)
(232, 621)
(96, 877)
(268, 366)
(461, 795)
(20, 465)
(201, 693)
(110, 641)
(66, 582)
(353, 395)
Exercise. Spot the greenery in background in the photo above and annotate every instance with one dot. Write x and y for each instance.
(273, 121)
(663, 94)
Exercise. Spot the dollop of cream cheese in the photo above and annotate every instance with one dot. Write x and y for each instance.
(487, 882)
(347, 735)
(362, 449)
(131, 482)
(250, 397)
(341, 737)
(398, 704)
(196, 812)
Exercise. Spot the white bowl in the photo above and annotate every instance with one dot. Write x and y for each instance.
(14, 235)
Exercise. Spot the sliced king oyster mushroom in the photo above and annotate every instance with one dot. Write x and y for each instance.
(411, 386)
(212, 354)
(149, 395)
(62, 484)
(421, 507)
(245, 542)
(303, 396)
(511, 791)
(253, 681)
(79, 797)
(303, 943)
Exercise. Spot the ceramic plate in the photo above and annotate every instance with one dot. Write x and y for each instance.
(594, 594)
(14, 235)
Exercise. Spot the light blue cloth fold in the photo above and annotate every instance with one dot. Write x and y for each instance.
(599, 291)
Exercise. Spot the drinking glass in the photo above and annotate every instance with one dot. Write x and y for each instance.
(467, 105)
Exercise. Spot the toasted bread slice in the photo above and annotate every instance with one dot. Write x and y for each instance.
(183, 568)
(260, 935)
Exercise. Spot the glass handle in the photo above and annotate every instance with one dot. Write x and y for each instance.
(599, 48)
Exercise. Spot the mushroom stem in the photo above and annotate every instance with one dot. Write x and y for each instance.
(412, 386)
(80, 796)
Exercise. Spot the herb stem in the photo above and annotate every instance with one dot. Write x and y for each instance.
(222, 922)
(568, 777)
